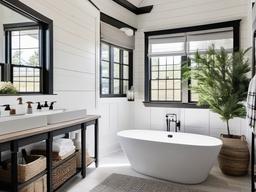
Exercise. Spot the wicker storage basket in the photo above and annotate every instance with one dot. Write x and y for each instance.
(63, 170)
(40, 185)
(25, 171)
(89, 159)
(234, 156)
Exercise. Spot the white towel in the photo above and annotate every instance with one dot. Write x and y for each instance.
(251, 103)
(60, 146)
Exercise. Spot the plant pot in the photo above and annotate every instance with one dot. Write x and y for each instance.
(234, 156)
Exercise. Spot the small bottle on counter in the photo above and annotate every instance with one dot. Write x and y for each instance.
(29, 109)
(21, 108)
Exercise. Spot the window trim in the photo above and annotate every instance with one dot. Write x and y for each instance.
(235, 24)
(46, 25)
(130, 81)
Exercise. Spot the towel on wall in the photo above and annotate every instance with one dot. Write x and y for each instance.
(251, 103)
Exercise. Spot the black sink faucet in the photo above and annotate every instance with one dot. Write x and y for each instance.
(172, 117)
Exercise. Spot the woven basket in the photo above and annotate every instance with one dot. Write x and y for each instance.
(40, 185)
(234, 156)
(63, 171)
(89, 159)
(25, 171)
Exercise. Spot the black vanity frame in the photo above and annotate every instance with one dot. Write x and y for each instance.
(14, 146)
(47, 26)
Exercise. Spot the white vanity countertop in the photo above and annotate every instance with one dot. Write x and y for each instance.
(45, 129)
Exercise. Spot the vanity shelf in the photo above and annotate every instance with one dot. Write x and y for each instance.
(14, 141)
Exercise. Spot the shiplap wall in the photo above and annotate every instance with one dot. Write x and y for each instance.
(76, 67)
(168, 14)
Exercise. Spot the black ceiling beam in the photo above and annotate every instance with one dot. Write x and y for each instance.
(137, 10)
(114, 22)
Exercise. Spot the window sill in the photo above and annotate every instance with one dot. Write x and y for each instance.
(113, 96)
(173, 105)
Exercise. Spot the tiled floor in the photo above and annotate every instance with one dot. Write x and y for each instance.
(118, 163)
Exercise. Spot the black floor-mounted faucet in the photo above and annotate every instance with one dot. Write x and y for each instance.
(172, 117)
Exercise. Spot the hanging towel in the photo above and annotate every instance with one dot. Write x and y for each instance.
(251, 103)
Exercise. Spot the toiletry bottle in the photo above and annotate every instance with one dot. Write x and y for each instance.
(29, 109)
(45, 106)
(21, 108)
(7, 110)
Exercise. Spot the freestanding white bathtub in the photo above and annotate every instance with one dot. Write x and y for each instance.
(178, 157)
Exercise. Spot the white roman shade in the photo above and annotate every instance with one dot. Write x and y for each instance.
(167, 45)
(115, 36)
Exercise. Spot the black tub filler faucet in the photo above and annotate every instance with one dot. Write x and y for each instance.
(172, 117)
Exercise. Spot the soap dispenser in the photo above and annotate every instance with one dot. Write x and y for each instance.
(7, 110)
(21, 108)
(29, 109)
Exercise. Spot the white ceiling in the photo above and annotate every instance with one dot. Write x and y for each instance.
(136, 2)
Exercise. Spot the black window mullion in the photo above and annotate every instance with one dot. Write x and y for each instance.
(111, 80)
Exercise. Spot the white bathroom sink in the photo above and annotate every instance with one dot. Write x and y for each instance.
(21, 123)
(67, 115)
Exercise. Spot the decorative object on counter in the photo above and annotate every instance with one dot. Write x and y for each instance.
(13, 112)
(222, 84)
(130, 94)
(20, 108)
(29, 109)
(7, 88)
(51, 105)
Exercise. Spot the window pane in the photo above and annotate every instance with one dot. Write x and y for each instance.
(125, 86)
(116, 86)
(29, 40)
(26, 79)
(29, 57)
(105, 69)
(162, 75)
(154, 75)
(162, 61)
(125, 72)
(169, 75)
(154, 61)
(105, 52)
(154, 95)
(177, 74)
(177, 95)
(162, 95)
(154, 84)
(116, 55)
(116, 71)
(104, 86)
(170, 84)
(15, 42)
(170, 95)
(15, 57)
(162, 84)
(177, 84)
(126, 57)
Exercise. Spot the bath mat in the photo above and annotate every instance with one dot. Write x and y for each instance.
(125, 183)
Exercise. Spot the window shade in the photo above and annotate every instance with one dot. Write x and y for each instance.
(115, 36)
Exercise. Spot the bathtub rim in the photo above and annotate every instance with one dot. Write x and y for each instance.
(218, 141)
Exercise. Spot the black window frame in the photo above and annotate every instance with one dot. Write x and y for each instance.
(9, 28)
(111, 70)
(46, 53)
(235, 24)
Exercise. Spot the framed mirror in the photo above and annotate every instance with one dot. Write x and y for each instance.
(26, 48)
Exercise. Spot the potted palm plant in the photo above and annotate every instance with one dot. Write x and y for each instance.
(222, 83)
